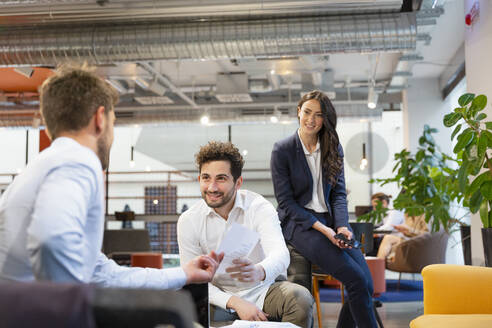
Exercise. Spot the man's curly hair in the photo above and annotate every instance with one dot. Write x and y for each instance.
(221, 151)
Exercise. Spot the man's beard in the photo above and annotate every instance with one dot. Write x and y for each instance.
(225, 198)
(103, 148)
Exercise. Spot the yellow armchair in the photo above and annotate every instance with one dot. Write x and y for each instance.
(456, 296)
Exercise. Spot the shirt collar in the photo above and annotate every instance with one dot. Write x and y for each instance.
(238, 203)
(316, 149)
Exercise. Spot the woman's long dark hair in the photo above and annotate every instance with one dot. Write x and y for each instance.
(331, 161)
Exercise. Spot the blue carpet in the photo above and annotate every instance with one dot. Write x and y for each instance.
(410, 291)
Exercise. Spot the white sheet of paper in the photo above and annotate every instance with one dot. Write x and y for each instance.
(238, 242)
(260, 324)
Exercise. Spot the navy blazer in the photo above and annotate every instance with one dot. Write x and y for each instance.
(293, 186)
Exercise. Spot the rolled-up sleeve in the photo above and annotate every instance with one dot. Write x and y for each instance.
(277, 257)
(110, 274)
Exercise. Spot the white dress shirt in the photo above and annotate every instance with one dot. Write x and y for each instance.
(200, 231)
(393, 217)
(313, 159)
(52, 223)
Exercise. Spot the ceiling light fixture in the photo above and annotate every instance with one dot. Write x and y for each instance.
(204, 119)
(132, 161)
(372, 98)
(363, 161)
(275, 118)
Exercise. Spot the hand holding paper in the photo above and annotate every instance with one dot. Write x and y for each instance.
(238, 242)
(246, 271)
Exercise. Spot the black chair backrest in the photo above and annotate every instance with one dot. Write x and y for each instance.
(364, 229)
(199, 293)
(126, 240)
(362, 209)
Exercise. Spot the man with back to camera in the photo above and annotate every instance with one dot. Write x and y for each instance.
(201, 228)
(52, 215)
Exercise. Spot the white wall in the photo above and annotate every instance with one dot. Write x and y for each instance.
(478, 47)
(425, 106)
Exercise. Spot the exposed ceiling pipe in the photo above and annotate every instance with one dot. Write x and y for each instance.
(272, 37)
(56, 11)
(147, 67)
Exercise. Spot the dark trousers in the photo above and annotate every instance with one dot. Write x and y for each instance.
(346, 265)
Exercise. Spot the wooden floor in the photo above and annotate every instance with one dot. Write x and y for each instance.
(393, 315)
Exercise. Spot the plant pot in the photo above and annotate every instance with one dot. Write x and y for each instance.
(487, 245)
(466, 244)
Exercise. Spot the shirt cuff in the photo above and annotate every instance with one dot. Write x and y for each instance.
(269, 268)
(218, 297)
(176, 277)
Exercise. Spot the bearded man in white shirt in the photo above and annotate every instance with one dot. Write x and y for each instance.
(260, 292)
(52, 214)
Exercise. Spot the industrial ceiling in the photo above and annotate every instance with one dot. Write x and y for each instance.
(236, 61)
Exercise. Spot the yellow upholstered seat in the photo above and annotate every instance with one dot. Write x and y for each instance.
(456, 296)
(453, 320)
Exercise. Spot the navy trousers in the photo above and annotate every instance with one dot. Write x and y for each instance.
(346, 265)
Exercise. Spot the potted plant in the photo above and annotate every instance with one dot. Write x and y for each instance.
(474, 139)
(429, 184)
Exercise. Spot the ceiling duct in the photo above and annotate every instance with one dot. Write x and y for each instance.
(232, 88)
(269, 37)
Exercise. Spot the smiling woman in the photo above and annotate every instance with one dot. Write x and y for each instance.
(309, 184)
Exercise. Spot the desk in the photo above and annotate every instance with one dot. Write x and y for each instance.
(383, 232)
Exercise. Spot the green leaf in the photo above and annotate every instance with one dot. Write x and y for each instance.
(460, 110)
(456, 130)
(486, 189)
(463, 176)
(464, 140)
(475, 201)
(482, 145)
(480, 102)
(472, 150)
(434, 172)
(477, 182)
(481, 116)
(465, 99)
(488, 125)
(484, 212)
(451, 119)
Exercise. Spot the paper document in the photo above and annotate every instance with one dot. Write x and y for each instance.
(238, 242)
(260, 324)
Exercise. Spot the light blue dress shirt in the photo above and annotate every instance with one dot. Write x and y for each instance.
(52, 223)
